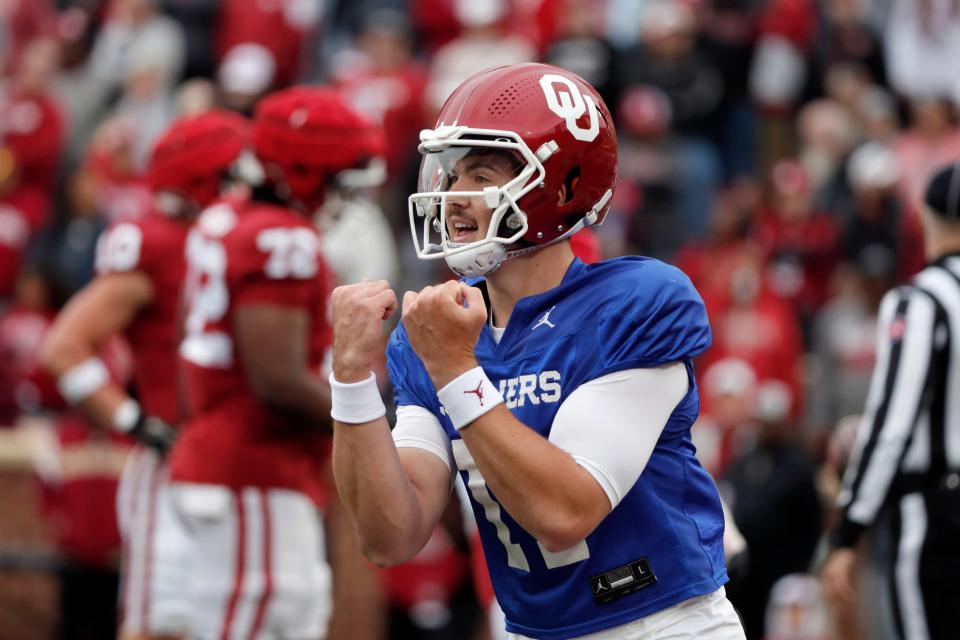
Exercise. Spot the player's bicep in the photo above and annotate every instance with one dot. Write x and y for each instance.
(427, 459)
(106, 306)
(611, 425)
(272, 344)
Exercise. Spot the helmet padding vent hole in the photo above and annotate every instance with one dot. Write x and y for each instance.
(514, 97)
(571, 181)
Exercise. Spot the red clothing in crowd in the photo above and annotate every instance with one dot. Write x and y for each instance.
(281, 26)
(22, 214)
(800, 256)
(394, 98)
(765, 334)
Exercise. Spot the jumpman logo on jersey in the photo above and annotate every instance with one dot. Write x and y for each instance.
(478, 392)
(545, 320)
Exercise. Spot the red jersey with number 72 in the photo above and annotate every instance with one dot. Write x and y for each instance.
(249, 254)
(154, 246)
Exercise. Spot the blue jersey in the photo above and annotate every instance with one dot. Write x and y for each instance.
(664, 542)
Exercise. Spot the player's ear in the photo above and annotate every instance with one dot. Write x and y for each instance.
(562, 195)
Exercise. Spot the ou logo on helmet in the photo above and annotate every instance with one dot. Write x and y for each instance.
(570, 104)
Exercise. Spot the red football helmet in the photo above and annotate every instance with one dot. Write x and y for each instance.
(307, 136)
(560, 133)
(192, 158)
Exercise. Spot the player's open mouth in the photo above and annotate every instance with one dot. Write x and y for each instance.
(461, 229)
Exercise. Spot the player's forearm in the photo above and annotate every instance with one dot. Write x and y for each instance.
(377, 493)
(540, 485)
(62, 355)
(302, 393)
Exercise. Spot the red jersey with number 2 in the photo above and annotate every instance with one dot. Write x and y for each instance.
(251, 254)
(154, 246)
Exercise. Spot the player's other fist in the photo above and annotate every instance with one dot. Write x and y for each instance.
(443, 324)
(358, 339)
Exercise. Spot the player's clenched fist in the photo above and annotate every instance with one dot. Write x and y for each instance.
(443, 324)
(358, 314)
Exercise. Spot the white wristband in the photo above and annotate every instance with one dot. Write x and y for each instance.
(469, 396)
(126, 415)
(356, 402)
(83, 380)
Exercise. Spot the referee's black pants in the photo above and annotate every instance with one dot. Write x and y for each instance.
(924, 574)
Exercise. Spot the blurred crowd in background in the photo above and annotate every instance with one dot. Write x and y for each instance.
(775, 150)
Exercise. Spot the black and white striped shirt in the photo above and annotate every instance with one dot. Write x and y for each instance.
(909, 437)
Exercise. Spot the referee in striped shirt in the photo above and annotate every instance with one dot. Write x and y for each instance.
(904, 472)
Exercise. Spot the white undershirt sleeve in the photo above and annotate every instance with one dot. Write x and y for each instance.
(418, 428)
(611, 425)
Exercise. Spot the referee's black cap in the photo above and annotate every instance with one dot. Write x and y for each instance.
(943, 192)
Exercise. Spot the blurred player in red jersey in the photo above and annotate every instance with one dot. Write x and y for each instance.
(140, 267)
(248, 470)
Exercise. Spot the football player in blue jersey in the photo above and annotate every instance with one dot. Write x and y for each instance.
(562, 393)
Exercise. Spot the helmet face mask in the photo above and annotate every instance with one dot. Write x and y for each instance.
(452, 150)
(558, 130)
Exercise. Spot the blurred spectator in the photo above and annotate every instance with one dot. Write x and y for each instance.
(31, 138)
(380, 78)
(845, 35)
(24, 386)
(667, 58)
(873, 220)
(710, 263)
(624, 19)
(800, 245)
(931, 141)
(81, 93)
(198, 19)
(21, 21)
(922, 37)
(119, 188)
(195, 97)
(32, 128)
(581, 47)
(726, 423)
(137, 39)
(484, 42)
(68, 244)
(436, 23)
(796, 610)
(666, 184)
(827, 132)
(773, 496)
(247, 72)
(138, 55)
(750, 322)
(847, 83)
(729, 30)
(781, 61)
(843, 344)
(281, 27)
(877, 112)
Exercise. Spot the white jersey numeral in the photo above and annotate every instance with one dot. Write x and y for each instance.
(293, 252)
(119, 249)
(207, 301)
(477, 487)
